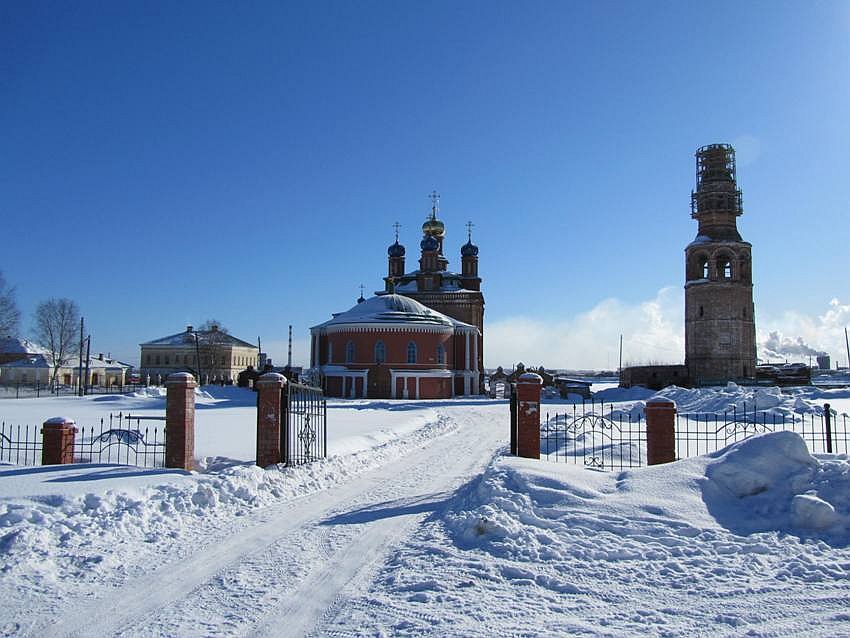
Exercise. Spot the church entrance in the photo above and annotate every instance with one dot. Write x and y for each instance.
(378, 380)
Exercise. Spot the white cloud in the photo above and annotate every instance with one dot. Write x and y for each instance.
(653, 332)
(824, 332)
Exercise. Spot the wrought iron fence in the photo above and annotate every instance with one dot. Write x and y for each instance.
(119, 439)
(123, 439)
(37, 390)
(601, 436)
(20, 445)
(594, 435)
(824, 431)
(304, 431)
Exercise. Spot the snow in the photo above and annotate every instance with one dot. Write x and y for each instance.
(732, 397)
(388, 309)
(678, 550)
(419, 524)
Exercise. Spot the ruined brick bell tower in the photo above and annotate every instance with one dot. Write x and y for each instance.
(720, 329)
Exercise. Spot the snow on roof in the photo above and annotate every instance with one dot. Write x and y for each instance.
(46, 361)
(15, 345)
(204, 336)
(35, 361)
(392, 308)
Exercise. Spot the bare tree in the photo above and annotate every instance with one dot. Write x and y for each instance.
(10, 316)
(212, 337)
(57, 322)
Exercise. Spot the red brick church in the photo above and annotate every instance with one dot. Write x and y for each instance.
(420, 338)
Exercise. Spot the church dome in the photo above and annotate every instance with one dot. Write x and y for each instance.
(429, 243)
(469, 250)
(396, 250)
(391, 309)
(435, 227)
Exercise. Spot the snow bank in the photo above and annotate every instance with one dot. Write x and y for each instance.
(771, 482)
(768, 483)
(83, 520)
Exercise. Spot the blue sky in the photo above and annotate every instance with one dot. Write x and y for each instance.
(165, 163)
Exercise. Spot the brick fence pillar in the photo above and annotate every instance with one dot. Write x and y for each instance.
(269, 418)
(57, 442)
(180, 420)
(528, 415)
(660, 431)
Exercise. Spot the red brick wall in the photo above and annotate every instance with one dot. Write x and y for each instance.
(395, 344)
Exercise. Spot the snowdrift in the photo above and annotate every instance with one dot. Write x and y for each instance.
(765, 484)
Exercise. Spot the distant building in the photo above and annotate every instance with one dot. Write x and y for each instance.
(720, 328)
(824, 362)
(213, 356)
(14, 349)
(37, 369)
(392, 346)
(457, 295)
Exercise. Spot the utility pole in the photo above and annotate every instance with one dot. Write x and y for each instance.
(259, 354)
(847, 344)
(289, 356)
(620, 368)
(198, 357)
(88, 355)
(80, 369)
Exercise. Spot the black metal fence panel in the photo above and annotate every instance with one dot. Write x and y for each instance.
(594, 435)
(824, 431)
(123, 439)
(20, 444)
(304, 431)
(119, 439)
(37, 390)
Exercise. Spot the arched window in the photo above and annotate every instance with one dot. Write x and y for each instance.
(704, 269)
(724, 268)
(411, 352)
(441, 353)
(349, 352)
(380, 352)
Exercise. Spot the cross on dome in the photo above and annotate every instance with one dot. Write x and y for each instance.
(396, 226)
(469, 227)
(435, 203)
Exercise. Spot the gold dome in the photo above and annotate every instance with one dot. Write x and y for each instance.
(435, 227)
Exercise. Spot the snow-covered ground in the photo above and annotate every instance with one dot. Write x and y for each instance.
(419, 524)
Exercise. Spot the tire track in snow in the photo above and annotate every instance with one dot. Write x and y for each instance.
(159, 596)
(328, 588)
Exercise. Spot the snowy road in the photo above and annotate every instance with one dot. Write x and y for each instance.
(294, 565)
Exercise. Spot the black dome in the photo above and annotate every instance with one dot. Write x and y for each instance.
(469, 250)
(429, 243)
(396, 250)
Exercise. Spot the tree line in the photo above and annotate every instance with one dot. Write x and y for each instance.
(55, 325)
(56, 328)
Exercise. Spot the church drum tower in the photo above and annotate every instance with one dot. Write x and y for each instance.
(720, 330)
(457, 295)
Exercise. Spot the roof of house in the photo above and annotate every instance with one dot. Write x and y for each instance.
(204, 337)
(45, 361)
(16, 345)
